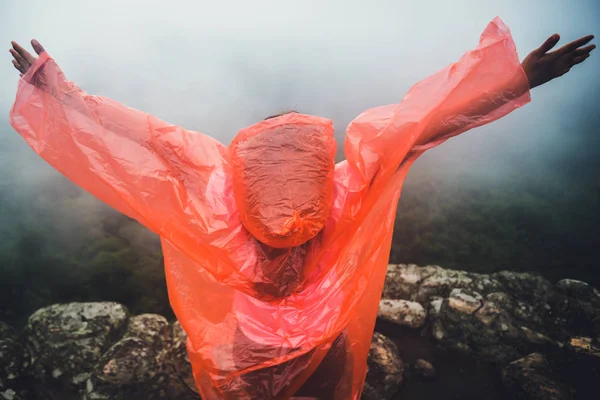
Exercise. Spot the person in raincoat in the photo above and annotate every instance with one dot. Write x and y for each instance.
(275, 256)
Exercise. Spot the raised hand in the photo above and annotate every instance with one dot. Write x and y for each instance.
(22, 58)
(542, 66)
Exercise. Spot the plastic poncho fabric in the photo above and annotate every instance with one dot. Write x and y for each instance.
(221, 279)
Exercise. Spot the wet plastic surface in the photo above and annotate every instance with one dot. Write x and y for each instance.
(261, 317)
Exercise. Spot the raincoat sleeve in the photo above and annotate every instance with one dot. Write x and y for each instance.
(136, 163)
(484, 85)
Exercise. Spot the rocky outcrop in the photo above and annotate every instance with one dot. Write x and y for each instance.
(66, 341)
(385, 370)
(98, 351)
(501, 316)
(142, 364)
(506, 316)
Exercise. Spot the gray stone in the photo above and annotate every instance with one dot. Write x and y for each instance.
(530, 288)
(96, 351)
(403, 281)
(385, 370)
(67, 340)
(402, 312)
(579, 290)
(501, 316)
(585, 346)
(149, 362)
(130, 361)
(530, 378)
(423, 284)
(424, 369)
(153, 329)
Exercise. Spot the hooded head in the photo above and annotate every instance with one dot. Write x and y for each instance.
(283, 177)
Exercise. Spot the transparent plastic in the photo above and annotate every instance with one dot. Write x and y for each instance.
(261, 316)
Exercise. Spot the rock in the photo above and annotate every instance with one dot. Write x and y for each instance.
(13, 357)
(531, 288)
(423, 284)
(385, 370)
(96, 351)
(465, 301)
(129, 369)
(402, 312)
(485, 327)
(578, 290)
(67, 340)
(151, 328)
(130, 361)
(442, 284)
(435, 305)
(455, 324)
(501, 316)
(146, 363)
(424, 369)
(586, 346)
(577, 365)
(179, 357)
(9, 394)
(506, 316)
(574, 317)
(530, 378)
(14, 365)
(403, 281)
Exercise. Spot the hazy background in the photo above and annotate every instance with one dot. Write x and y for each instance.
(521, 194)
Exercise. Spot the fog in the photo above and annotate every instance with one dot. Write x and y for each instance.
(217, 67)
(520, 194)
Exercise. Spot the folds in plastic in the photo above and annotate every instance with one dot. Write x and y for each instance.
(291, 302)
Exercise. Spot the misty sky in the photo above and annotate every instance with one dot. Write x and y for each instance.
(217, 67)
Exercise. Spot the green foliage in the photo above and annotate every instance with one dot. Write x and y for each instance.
(544, 224)
(59, 244)
(57, 257)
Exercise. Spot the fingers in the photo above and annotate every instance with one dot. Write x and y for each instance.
(20, 60)
(565, 63)
(564, 71)
(18, 66)
(23, 53)
(574, 45)
(583, 51)
(580, 59)
(580, 55)
(548, 44)
(37, 47)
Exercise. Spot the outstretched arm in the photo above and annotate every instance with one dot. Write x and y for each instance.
(540, 67)
(148, 169)
(484, 85)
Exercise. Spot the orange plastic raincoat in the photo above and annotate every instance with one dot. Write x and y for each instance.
(179, 184)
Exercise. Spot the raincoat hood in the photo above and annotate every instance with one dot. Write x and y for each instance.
(283, 177)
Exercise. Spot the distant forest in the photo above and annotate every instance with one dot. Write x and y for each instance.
(58, 244)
